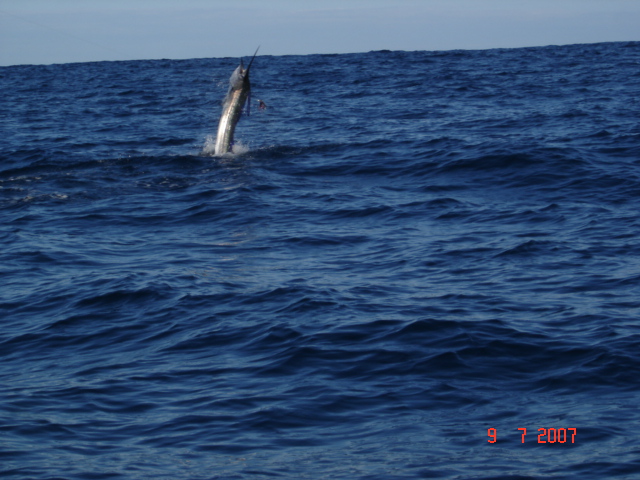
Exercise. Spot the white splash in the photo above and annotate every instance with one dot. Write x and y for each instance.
(209, 148)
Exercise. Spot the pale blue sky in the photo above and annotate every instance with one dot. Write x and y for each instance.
(61, 31)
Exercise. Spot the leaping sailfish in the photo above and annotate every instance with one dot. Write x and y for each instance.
(239, 91)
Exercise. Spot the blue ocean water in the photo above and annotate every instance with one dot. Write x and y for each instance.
(416, 253)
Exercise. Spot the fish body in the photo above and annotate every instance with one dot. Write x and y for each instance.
(234, 101)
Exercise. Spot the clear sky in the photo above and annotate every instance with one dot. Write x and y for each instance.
(61, 31)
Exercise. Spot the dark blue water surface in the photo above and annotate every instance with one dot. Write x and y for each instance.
(412, 249)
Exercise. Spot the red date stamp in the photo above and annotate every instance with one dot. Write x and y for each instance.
(547, 435)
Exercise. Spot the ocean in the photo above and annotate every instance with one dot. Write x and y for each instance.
(417, 265)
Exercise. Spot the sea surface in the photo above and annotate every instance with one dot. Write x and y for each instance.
(411, 258)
